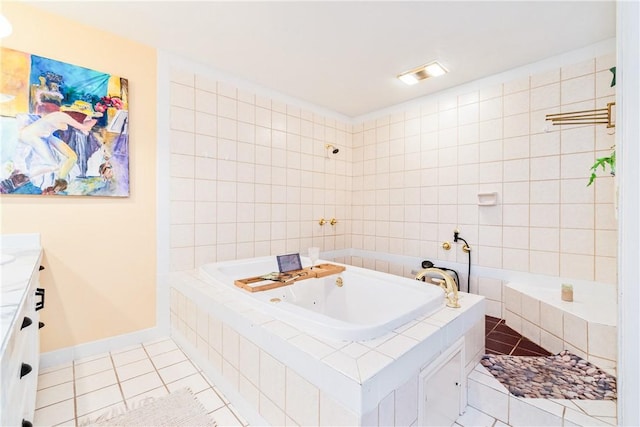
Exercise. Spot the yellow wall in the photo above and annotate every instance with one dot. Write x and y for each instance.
(99, 252)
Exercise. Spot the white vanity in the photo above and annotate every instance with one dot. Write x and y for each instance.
(20, 299)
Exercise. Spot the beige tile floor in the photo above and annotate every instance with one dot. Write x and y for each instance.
(84, 389)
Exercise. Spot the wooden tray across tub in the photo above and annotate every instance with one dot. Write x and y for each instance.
(277, 280)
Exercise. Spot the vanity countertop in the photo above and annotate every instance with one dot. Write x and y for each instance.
(19, 260)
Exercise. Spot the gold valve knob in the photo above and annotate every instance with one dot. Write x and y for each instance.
(446, 246)
(333, 221)
(322, 221)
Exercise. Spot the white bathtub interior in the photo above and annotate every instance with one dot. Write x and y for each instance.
(367, 305)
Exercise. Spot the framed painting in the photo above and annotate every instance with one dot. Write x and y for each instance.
(63, 128)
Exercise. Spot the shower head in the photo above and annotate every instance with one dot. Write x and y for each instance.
(334, 149)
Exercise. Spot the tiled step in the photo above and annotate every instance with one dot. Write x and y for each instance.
(489, 397)
(491, 404)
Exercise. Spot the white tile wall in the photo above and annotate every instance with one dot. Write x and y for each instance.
(557, 328)
(250, 176)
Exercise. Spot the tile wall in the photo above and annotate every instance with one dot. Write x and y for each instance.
(557, 329)
(250, 176)
(276, 391)
(417, 174)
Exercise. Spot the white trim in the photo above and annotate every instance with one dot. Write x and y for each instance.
(627, 141)
(69, 354)
(163, 205)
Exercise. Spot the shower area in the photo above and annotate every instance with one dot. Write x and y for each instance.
(254, 175)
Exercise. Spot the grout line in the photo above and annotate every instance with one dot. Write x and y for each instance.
(211, 386)
(515, 346)
(75, 401)
(155, 369)
(119, 384)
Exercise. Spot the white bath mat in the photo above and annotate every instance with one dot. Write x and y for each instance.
(180, 408)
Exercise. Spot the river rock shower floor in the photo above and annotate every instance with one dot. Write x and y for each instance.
(563, 376)
(528, 370)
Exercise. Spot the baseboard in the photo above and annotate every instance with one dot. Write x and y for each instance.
(68, 354)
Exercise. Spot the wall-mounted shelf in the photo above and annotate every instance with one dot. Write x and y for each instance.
(488, 199)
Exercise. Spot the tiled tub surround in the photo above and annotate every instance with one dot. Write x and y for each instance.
(586, 326)
(277, 374)
(530, 304)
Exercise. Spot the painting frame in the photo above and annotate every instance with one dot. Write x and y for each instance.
(64, 128)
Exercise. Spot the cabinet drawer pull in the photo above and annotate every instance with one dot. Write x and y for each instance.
(40, 293)
(41, 268)
(26, 423)
(40, 325)
(25, 369)
(26, 322)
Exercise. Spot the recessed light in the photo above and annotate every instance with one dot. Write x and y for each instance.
(432, 69)
(409, 79)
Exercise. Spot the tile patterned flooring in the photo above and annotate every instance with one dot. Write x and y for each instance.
(501, 339)
(76, 392)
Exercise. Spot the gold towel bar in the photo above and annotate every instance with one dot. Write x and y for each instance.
(585, 117)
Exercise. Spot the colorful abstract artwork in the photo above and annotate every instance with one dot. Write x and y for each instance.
(63, 128)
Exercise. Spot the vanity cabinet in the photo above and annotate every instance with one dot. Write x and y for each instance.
(21, 346)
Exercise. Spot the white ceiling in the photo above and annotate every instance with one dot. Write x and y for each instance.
(344, 56)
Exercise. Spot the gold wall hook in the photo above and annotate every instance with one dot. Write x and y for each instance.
(322, 221)
(446, 246)
(466, 249)
(333, 221)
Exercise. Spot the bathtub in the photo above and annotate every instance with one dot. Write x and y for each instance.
(368, 305)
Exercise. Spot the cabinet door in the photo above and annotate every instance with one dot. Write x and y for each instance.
(442, 393)
(32, 352)
(442, 388)
(22, 354)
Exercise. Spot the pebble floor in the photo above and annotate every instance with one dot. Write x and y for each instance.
(528, 370)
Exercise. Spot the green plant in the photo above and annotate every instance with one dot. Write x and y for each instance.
(603, 162)
(608, 160)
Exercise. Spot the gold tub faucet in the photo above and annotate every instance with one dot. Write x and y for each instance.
(446, 283)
